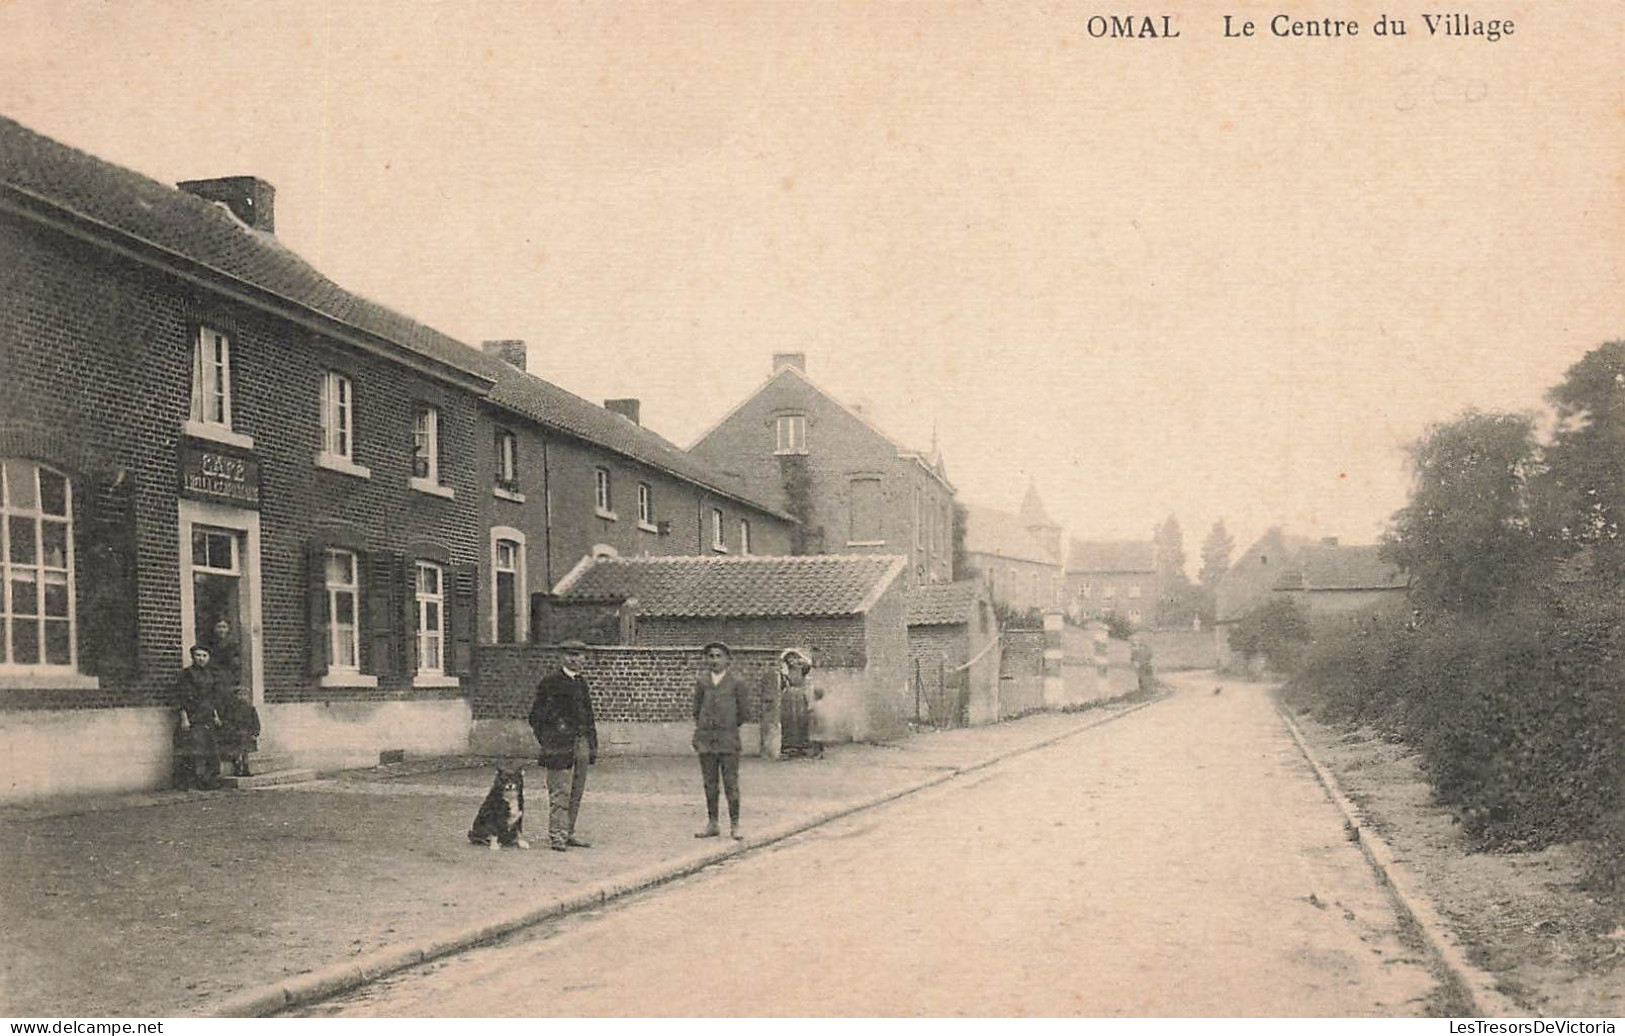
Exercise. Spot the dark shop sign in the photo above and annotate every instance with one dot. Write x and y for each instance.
(210, 473)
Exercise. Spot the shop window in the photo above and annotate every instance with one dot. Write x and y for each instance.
(36, 544)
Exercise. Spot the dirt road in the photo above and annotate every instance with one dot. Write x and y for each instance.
(1180, 861)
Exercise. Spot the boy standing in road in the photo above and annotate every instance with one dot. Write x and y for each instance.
(720, 705)
(562, 719)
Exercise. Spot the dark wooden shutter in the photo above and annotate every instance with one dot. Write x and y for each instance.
(463, 593)
(316, 607)
(406, 606)
(104, 575)
(379, 590)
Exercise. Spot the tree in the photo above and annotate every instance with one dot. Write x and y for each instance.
(1170, 541)
(1465, 537)
(1177, 601)
(1216, 551)
(1277, 631)
(1581, 493)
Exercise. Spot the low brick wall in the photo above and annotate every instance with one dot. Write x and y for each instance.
(629, 684)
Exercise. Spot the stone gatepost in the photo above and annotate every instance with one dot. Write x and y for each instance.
(1054, 659)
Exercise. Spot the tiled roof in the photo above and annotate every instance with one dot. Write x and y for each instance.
(942, 604)
(1341, 568)
(547, 403)
(1250, 577)
(1111, 556)
(206, 233)
(719, 587)
(203, 232)
(1003, 535)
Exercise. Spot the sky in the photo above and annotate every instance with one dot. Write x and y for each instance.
(1217, 278)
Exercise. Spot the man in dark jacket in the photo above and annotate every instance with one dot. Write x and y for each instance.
(720, 704)
(562, 720)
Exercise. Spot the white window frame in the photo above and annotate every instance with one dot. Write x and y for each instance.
(646, 508)
(507, 467)
(38, 674)
(426, 443)
(212, 379)
(336, 629)
(603, 494)
(1134, 591)
(426, 637)
(718, 543)
(790, 434)
(744, 535)
(521, 592)
(338, 425)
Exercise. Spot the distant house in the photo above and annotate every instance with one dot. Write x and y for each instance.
(848, 611)
(1118, 576)
(1016, 555)
(952, 650)
(1330, 578)
(795, 447)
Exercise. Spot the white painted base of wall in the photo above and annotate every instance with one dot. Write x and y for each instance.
(49, 754)
(513, 738)
(348, 735)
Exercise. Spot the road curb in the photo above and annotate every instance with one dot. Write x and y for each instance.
(1478, 985)
(334, 979)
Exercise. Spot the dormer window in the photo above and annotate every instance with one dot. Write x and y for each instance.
(791, 434)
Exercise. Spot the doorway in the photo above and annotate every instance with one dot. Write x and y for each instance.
(220, 579)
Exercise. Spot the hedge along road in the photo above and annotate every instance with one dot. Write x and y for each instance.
(1180, 861)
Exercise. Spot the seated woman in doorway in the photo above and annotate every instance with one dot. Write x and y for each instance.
(197, 747)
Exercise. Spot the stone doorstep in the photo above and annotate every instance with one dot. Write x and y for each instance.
(268, 762)
(267, 780)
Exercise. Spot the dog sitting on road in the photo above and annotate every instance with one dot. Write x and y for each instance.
(501, 819)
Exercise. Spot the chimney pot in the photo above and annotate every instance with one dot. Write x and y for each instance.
(796, 360)
(249, 198)
(628, 408)
(509, 350)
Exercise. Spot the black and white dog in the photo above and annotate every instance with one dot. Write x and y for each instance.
(501, 819)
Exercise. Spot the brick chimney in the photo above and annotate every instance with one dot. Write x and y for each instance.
(796, 360)
(509, 350)
(627, 408)
(249, 198)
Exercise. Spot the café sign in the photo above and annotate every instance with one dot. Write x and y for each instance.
(210, 473)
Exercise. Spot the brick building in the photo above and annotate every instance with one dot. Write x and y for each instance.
(1331, 578)
(1018, 556)
(615, 488)
(953, 651)
(1249, 582)
(856, 491)
(848, 611)
(198, 425)
(1112, 576)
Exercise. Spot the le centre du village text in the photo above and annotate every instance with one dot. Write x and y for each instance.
(1439, 25)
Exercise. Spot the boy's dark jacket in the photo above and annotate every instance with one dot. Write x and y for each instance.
(562, 712)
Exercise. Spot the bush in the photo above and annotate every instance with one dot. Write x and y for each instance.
(1277, 631)
(1518, 716)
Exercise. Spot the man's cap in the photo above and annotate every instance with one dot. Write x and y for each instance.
(573, 645)
(719, 644)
